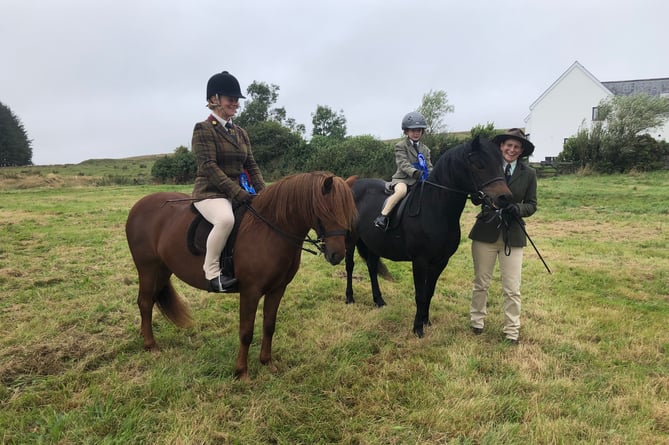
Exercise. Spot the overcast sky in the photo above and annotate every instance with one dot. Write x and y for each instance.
(118, 78)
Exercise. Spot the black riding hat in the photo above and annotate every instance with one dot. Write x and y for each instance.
(224, 84)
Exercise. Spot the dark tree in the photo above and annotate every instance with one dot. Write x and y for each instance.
(328, 123)
(260, 97)
(15, 147)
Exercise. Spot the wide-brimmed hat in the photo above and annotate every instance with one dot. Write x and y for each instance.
(519, 135)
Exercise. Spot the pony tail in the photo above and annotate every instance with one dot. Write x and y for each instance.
(174, 307)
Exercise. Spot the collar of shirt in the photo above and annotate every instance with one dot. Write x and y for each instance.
(220, 119)
(513, 166)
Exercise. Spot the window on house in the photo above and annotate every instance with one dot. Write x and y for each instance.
(595, 114)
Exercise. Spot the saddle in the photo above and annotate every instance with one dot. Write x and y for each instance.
(197, 234)
(397, 213)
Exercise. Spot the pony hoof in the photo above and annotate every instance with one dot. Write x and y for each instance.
(242, 377)
(419, 332)
(350, 300)
(272, 367)
(380, 303)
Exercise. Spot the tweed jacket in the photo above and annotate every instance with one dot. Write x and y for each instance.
(523, 185)
(405, 156)
(221, 158)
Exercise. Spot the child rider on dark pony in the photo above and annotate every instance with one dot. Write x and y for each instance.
(413, 164)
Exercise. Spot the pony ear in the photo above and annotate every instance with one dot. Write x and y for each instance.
(327, 184)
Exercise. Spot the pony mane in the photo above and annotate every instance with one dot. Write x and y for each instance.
(461, 149)
(449, 167)
(302, 196)
(440, 170)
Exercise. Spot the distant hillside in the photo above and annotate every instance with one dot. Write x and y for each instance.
(134, 170)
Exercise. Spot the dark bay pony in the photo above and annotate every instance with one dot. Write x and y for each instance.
(427, 233)
(266, 258)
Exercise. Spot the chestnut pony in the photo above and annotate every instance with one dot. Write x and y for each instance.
(268, 248)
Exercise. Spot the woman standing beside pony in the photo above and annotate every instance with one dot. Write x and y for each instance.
(498, 236)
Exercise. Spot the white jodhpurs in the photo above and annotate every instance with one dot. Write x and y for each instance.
(218, 212)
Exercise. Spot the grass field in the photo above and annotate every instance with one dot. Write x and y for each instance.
(592, 366)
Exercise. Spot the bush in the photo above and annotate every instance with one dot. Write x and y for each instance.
(600, 151)
(619, 143)
(440, 143)
(179, 168)
(364, 156)
(277, 149)
(487, 131)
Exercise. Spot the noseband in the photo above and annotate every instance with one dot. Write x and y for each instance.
(322, 234)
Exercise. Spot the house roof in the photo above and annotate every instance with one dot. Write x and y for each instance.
(652, 87)
(574, 66)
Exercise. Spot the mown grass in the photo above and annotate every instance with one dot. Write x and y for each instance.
(592, 366)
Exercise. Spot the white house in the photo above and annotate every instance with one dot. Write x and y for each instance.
(571, 102)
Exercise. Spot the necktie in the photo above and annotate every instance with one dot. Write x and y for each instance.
(415, 145)
(231, 131)
(507, 173)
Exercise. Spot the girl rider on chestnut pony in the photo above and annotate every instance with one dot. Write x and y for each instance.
(413, 164)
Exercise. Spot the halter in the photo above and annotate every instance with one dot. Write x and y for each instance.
(319, 242)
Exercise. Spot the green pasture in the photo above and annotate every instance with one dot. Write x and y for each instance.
(592, 366)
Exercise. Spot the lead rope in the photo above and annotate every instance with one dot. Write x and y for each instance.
(504, 226)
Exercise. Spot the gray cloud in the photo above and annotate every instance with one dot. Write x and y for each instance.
(112, 79)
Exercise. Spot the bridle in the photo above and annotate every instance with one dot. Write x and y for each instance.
(479, 192)
(318, 243)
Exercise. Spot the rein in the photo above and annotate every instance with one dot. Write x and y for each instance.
(504, 224)
(318, 242)
(479, 193)
(487, 201)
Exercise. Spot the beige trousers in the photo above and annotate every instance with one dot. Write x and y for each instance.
(510, 268)
(399, 192)
(218, 212)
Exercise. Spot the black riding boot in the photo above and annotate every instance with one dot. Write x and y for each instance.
(222, 283)
(381, 222)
